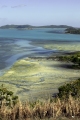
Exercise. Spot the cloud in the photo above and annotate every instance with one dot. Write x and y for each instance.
(4, 6)
(18, 6)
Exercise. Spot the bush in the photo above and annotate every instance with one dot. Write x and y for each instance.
(7, 98)
(72, 89)
(75, 60)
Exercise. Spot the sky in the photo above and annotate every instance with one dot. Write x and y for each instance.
(40, 12)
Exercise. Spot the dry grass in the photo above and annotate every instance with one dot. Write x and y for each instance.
(46, 110)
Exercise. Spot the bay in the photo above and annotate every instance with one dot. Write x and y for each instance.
(16, 44)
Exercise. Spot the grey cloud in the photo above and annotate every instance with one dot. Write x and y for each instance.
(18, 6)
(4, 6)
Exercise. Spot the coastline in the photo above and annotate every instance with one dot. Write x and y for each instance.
(37, 78)
(60, 46)
(36, 75)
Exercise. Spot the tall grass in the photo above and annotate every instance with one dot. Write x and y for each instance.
(42, 109)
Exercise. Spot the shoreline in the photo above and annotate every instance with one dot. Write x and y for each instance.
(61, 46)
(37, 78)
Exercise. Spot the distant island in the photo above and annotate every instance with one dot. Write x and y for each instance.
(73, 30)
(30, 26)
(68, 29)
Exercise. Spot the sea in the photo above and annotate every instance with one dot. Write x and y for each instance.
(16, 43)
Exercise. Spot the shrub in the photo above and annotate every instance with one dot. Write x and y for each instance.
(72, 89)
(7, 98)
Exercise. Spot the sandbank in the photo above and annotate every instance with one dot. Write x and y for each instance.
(60, 46)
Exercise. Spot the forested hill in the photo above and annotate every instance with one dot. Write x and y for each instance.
(29, 26)
(15, 26)
(73, 30)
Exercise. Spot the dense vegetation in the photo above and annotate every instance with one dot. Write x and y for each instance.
(15, 26)
(52, 109)
(29, 26)
(72, 88)
(7, 97)
(74, 58)
(72, 31)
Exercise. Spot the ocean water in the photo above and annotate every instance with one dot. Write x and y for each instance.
(39, 34)
(15, 44)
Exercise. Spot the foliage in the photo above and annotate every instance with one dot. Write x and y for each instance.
(72, 89)
(6, 97)
(43, 110)
(15, 26)
(39, 110)
(72, 31)
(75, 58)
(29, 26)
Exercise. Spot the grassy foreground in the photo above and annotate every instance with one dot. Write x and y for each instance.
(52, 109)
(66, 106)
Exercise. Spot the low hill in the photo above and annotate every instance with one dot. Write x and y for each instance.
(15, 26)
(29, 26)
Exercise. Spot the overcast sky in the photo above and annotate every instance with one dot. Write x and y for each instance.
(40, 12)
